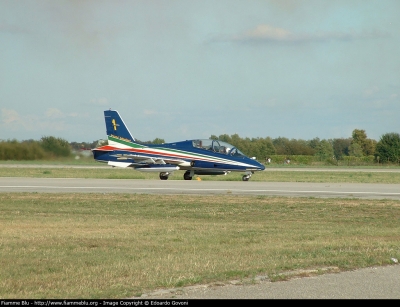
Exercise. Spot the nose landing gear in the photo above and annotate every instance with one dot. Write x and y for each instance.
(247, 176)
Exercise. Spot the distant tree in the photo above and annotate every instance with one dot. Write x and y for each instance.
(254, 147)
(155, 141)
(302, 147)
(158, 141)
(235, 138)
(388, 148)
(25, 150)
(341, 147)
(367, 145)
(267, 148)
(324, 150)
(282, 146)
(359, 136)
(355, 150)
(57, 146)
(261, 148)
(225, 138)
(314, 143)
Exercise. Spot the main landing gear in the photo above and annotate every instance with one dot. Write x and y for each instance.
(164, 175)
(188, 175)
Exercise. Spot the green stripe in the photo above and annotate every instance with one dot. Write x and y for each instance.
(127, 143)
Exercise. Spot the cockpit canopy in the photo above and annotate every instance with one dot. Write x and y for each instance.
(217, 146)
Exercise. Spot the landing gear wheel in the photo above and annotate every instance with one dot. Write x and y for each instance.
(187, 176)
(245, 177)
(164, 176)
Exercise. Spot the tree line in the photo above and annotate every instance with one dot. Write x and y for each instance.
(47, 147)
(386, 150)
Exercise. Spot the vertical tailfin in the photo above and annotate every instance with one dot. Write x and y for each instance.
(116, 127)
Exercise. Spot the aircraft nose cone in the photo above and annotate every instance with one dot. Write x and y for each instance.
(259, 166)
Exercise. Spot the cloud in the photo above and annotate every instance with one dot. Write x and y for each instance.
(54, 113)
(16, 122)
(375, 98)
(9, 116)
(264, 33)
(50, 121)
(149, 112)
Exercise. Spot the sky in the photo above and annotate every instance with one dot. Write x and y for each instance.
(185, 69)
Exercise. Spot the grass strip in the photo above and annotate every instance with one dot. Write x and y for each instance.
(122, 245)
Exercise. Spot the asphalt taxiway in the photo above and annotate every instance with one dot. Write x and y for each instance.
(289, 189)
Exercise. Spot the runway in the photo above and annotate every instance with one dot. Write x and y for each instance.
(367, 283)
(138, 186)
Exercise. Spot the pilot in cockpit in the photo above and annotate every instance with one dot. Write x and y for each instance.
(224, 150)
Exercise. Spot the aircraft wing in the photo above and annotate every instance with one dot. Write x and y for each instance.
(146, 163)
(149, 160)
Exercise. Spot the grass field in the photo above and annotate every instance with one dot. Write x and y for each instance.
(122, 245)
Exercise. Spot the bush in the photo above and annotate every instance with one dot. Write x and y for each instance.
(388, 148)
(12, 150)
(57, 146)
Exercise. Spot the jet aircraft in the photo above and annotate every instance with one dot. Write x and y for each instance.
(195, 157)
